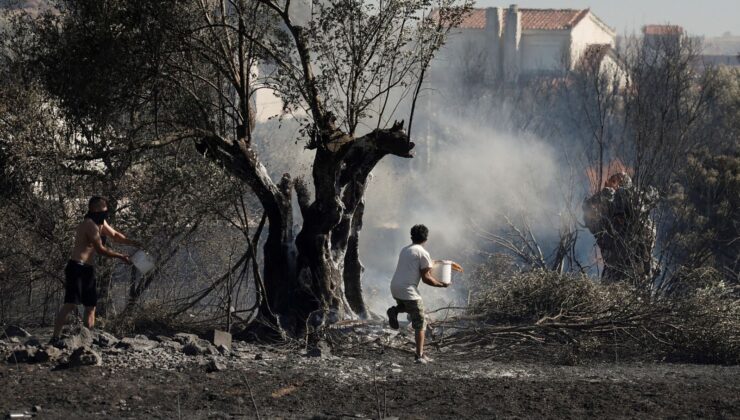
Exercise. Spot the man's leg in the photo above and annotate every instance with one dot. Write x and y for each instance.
(89, 296)
(416, 310)
(72, 287)
(393, 312)
(89, 317)
(62, 318)
(420, 342)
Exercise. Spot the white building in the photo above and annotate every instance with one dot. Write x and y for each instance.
(515, 43)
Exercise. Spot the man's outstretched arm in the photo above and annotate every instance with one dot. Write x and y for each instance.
(97, 241)
(427, 278)
(118, 237)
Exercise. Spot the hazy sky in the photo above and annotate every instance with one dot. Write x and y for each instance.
(698, 17)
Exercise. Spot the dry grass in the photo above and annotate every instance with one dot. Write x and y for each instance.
(699, 325)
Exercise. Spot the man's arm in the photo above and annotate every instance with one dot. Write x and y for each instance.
(94, 236)
(427, 278)
(117, 236)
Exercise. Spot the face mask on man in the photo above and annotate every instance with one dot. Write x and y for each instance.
(97, 216)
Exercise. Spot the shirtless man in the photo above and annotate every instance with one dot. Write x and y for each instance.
(79, 273)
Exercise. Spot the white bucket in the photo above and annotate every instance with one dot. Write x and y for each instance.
(442, 271)
(142, 261)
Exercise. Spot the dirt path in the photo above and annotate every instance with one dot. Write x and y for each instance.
(290, 385)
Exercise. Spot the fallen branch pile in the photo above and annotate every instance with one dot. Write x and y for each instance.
(546, 307)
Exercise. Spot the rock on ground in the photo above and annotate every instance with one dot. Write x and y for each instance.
(47, 354)
(84, 356)
(174, 345)
(221, 338)
(320, 349)
(136, 344)
(185, 338)
(22, 355)
(199, 347)
(15, 331)
(214, 365)
(76, 337)
(104, 339)
(32, 342)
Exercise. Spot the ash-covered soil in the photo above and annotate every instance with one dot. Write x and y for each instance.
(370, 375)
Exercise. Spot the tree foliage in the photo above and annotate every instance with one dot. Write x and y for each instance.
(705, 203)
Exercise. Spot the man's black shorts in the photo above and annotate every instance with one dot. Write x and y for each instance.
(79, 284)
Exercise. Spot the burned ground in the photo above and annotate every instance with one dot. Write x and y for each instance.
(370, 375)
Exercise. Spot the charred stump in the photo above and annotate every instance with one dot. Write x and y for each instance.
(619, 218)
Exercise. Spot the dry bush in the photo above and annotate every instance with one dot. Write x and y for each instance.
(530, 296)
(707, 324)
(700, 325)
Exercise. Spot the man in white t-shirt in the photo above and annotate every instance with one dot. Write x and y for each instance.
(414, 265)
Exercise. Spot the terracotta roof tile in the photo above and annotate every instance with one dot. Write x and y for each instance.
(662, 30)
(476, 19)
(534, 19)
(552, 19)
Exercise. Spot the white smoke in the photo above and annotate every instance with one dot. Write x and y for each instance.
(469, 170)
(477, 176)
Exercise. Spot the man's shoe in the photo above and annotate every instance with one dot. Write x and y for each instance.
(393, 317)
(55, 342)
(422, 360)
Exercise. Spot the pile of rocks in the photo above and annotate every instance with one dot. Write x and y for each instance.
(75, 348)
(333, 355)
(80, 346)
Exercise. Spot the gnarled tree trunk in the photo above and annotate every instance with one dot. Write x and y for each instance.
(353, 267)
(331, 223)
(311, 285)
(308, 279)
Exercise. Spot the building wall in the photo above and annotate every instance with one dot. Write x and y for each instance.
(494, 48)
(543, 51)
(587, 32)
(511, 38)
(463, 43)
